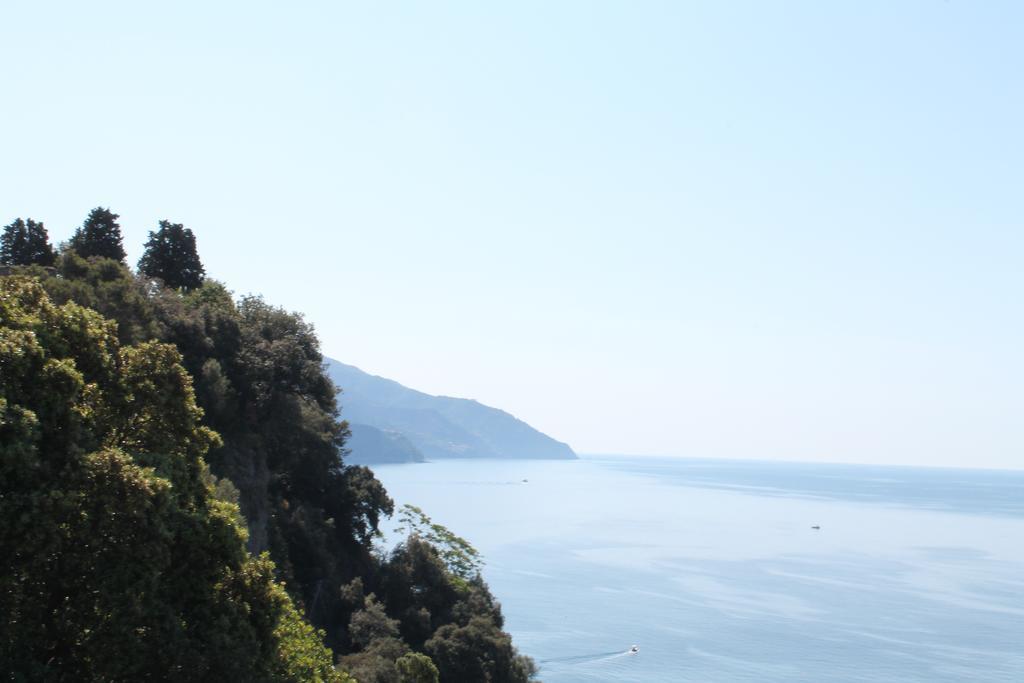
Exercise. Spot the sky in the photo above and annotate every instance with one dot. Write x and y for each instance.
(779, 230)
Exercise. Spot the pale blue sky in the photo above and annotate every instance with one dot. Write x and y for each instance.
(785, 230)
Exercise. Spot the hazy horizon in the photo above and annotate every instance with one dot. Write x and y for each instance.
(730, 230)
(783, 461)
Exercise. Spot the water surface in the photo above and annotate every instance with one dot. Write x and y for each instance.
(713, 569)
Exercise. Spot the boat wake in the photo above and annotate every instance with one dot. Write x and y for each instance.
(587, 659)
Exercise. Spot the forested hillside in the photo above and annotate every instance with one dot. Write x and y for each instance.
(154, 429)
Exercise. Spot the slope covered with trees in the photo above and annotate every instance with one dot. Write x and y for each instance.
(120, 562)
(241, 412)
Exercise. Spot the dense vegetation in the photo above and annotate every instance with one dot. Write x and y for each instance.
(119, 561)
(154, 429)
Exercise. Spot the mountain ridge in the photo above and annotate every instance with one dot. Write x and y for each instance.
(437, 427)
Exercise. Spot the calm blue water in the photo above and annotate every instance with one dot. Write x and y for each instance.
(711, 567)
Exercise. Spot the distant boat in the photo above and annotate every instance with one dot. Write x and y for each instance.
(815, 526)
(633, 650)
(524, 481)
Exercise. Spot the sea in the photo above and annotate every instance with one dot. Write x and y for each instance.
(741, 570)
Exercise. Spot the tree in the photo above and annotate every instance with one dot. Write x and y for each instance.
(371, 623)
(454, 620)
(108, 287)
(171, 256)
(259, 378)
(25, 243)
(117, 560)
(460, 557)
(416, 668)
(100, 235)
(478, 651)
(376, 636)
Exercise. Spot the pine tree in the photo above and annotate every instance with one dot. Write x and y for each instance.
(25, 243)
(171, 256)
(100, 235)
(12, 243)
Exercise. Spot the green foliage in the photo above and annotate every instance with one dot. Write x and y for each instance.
(131, 417)
(454, 620)
(261, 380)
(258, 376)
(376, 636)
(170, 255)
(106, 286)
(478, 651)
(371, 623)
(100, 235)
(300, 656)
(116, 561)
(377, 663)
(418, 589)
(25, 243)
(416, 668)
(461, 558)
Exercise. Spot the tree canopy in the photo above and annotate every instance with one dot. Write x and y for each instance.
(100, 235)
(170, 255)
(416, 668)
(173, 491)
(460, 558)
(117, 560)
(25, 243)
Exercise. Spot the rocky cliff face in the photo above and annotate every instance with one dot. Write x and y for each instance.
(436, 426)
